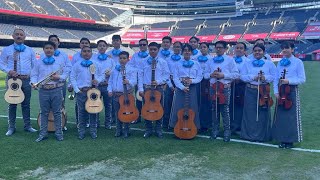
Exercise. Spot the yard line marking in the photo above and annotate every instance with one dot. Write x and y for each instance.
(208, 137)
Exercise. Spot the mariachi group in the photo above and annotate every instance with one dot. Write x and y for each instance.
(181, 87)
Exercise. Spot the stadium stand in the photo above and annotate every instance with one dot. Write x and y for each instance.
(262, 23)
(6, 29)
(88, 10)
(237, 25)
(25, 6)
(47, 6)
(187, 28)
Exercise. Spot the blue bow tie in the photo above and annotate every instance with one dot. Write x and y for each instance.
(86, 63)
(195, 52)
(165, 52)
(285, 62)
(202, 58)
(218, 59)
(258, 63)
(187, 64)
(143, 54)
(238, 59)
(20, 47)
(176, 57)
(102, 57)
(116, 52)
(48, 60)
(56, 52)
(118, 67)
(149, 60)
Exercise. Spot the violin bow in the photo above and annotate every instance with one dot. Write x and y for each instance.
(233, 94)
(259, 76)
(217, 80)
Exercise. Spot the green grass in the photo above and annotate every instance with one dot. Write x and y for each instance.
(159, 158)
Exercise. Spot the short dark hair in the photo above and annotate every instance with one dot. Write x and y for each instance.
(53, 36)
(178, 42)
(287, 45)
(167, 37)
(49, 43)
(223, 43)
(207, 44)
(260, 39)
(244, 45)
(84, 39)
(154, 44)
(86, 47)
(18, 29)
(194, 37)
(102, 41)
(124, 53)
(143, 40)
(116, 37)
(187, 46)
(259, 46)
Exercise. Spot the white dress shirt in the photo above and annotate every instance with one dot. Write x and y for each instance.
(115, 81)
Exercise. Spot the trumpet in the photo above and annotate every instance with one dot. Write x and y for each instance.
(47, 78)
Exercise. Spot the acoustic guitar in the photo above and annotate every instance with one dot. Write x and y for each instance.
(14, 94)
(185, 127)
(128, 112)
(93, 104)
(152, 109)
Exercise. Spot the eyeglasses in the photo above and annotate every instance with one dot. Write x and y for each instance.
(142, 44)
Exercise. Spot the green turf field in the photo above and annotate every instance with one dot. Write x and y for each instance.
(139, 158)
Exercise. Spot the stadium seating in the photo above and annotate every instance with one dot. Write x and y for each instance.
(312, 48)
(237, 24)
(48, 7)
(34, 31)
(6, 29)
(73, 9)
(86, 8)
(25, 6)
(186, 28)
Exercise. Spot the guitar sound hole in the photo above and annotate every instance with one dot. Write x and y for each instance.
(127, 102)
(93, 96)
(14, 86)
(185, 117)
(152, 98)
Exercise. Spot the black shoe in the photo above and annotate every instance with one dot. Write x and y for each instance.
(126, 135)
(94, 135)
(282, 145)
(226, 138)
(159, 135)
(118, 134)
(147, 134)
(81, 136)
(213, 135)
(60, 138)
(41, 138)
(203, 130)
(289, 145)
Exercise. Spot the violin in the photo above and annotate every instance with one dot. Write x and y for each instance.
(264, 94)
(284, 93)
(218, 96)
